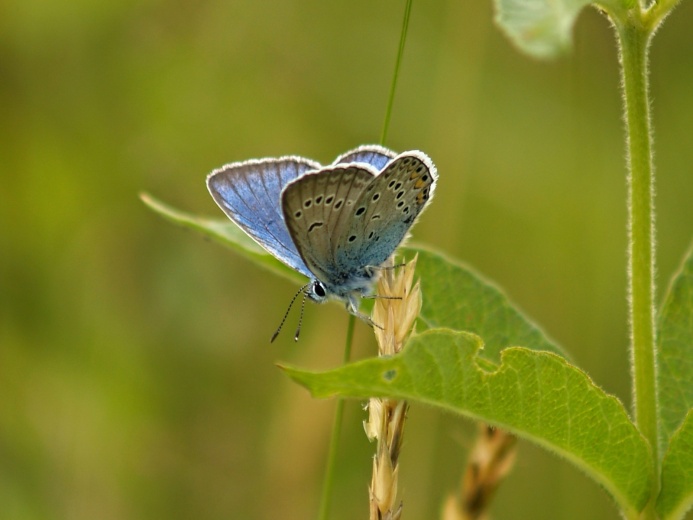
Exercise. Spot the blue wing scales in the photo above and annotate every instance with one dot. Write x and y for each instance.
(376, 156)
(249, 193)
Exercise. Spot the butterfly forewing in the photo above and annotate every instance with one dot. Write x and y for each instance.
(249, 193)
(317, 209)
(386, 209)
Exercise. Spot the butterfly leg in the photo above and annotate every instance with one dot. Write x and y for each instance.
(353, 309)
(387, 267)
(374, 296)
(374, 273)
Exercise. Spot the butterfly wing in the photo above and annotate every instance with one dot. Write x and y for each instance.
(249, 193)
(386, 209)
(317, 208)
(376, 156)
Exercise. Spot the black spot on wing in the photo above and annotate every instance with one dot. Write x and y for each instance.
(315, 225)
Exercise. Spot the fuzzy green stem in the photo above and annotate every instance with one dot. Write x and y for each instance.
(634, 40)
(328, 482)
(658, 11)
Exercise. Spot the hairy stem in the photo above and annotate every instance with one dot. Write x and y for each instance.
(634, 41)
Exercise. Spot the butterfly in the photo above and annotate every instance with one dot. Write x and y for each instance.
(335, 224)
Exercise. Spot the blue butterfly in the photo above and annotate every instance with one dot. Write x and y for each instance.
(334, 224)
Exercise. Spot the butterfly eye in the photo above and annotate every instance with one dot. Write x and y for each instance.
(319, 289)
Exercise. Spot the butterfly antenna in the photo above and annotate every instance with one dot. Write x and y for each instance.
(286, 314)
(300, 318)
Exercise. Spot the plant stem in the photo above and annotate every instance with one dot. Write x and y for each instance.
(659, 10)
(634, 38)
(328, 481)
(395, 75)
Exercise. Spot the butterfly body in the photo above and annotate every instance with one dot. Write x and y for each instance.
(335, 224)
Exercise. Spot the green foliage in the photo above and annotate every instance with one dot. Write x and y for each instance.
(223, 231)
(456, 297)
(675, 342)
(676, 496)
(537, 395)
(541, 29)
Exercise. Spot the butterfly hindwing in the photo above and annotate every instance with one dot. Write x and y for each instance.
(317, 209)
(372, 154)
(249, 193)
(386, 210)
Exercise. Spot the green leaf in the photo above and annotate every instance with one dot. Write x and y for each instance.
(675, 343)
(536, 395)
(542, 28)
(225, 232)
(676, 496)
(456, 297)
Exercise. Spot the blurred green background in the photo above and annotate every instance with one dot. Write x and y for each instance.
(136, 376)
